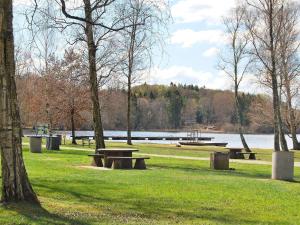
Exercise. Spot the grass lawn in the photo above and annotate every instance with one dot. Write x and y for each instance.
(171, 191)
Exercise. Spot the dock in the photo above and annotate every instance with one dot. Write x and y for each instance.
(150, 138)
(193, 143)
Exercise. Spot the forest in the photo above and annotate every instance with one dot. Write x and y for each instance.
(154, 107)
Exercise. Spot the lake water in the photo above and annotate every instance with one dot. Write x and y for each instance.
(233, 140)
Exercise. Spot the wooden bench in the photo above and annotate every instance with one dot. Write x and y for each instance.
(89, 141)
(126, 162)
(97, 159)
(233, 153)
(251, 154)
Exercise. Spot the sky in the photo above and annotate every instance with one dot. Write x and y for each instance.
(193, 49)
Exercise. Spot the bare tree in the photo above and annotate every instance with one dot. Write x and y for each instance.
(290, 65)
(71, 73)
(148, 20)
(235, 63)
(96, 20)
(15, 182)
(264, 23)
(43, 46)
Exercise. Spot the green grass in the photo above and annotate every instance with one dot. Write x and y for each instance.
(171, 191)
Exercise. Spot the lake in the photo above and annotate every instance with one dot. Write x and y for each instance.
(233, 140)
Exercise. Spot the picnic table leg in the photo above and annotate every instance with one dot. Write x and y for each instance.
(96, 161)
(108, 162)
(240, 156)
(117, 164)
(127, 163)
(232, 155)
(140, 164)
(252, 156)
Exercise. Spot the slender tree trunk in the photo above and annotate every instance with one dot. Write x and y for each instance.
(92, 49)
(279, 139)
(129, 78)
(15, 182)
(129, 141)
(239, 114)
(49, 117)
(241, 130)
(283, 143)
(292, 120)
(73, 128)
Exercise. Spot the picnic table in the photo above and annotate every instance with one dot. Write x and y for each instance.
(234, 153)
(110, 154)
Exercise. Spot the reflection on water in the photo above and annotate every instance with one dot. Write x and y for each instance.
(233, 140)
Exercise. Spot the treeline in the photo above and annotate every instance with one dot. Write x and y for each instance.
(154, 107)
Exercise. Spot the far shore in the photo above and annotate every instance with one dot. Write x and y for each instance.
(183, 130)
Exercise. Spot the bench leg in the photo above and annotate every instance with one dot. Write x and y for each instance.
(240, 156)
(116, 164)
(96, 161)
(140, 164)
(252, 156)
(232, 155)
(126, 163)
(108, 162)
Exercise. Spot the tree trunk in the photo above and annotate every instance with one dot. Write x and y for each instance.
(283, 143)
(292, 120)
(129, 141)
(49, 117)
(131, 51)
(240, 119)
(98, 129)
(73, 128)
(15, 182)
(279, 139)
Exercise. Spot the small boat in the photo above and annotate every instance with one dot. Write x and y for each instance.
(197, 143)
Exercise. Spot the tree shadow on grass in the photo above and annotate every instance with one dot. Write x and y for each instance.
(232, 172)
(128, 207)
(199, 170)
(38, 215)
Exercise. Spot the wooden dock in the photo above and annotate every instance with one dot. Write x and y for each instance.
(138, 138)
(196, 143)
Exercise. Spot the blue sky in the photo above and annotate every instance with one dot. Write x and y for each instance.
(196, 38)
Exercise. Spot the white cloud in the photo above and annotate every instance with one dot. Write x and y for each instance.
(20, 3)
(187, 11)
(211, 52)
(187, 37)
(211, 80)
(188, 75)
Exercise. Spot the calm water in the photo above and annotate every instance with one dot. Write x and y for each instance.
(233, 140)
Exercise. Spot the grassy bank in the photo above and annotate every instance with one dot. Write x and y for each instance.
(171, 191)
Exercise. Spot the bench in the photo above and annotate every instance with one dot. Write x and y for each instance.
(251, 154)
(233, 153)
(126, 162)
(84, 140)
(97, 159)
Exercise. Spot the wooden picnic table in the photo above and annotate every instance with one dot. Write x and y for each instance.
(117, 152)
(234, 153)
